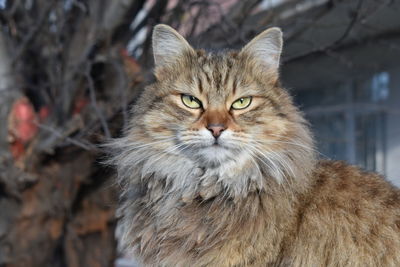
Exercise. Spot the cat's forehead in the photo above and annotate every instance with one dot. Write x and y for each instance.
(218, 75)
(217, 65)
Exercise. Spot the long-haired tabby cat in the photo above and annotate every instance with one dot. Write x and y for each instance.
(218, 168)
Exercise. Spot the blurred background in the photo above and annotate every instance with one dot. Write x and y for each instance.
(70, 69)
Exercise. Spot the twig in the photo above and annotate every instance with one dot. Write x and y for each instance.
(88, 147)
(94, 103)
(32, 33)
(351, 24)
(334, 44)
(122, 87)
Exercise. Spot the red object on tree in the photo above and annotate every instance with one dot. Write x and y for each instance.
(23, 120)
(44, 112)
(17, 149)
(132, 67)
(80, 104)
(22, 126)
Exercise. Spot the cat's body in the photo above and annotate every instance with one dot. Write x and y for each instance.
(218, 169)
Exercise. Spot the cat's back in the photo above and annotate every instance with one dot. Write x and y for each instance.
(349, 218)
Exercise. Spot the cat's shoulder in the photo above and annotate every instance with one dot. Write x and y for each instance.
(340, 186)
(350, 218)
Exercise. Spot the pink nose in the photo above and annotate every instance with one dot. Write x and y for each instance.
(216, 129)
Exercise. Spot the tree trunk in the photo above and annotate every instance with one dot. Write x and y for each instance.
(60, 213)
(58, 210)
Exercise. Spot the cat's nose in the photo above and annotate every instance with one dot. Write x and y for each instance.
(216, 129)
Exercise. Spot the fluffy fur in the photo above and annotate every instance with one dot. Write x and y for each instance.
(257, 198)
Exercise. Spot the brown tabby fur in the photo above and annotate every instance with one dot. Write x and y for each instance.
(261, 200)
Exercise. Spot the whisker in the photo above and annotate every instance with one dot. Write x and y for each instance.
(168, 151)
(137, 145)
(274, 167)
(291, 143)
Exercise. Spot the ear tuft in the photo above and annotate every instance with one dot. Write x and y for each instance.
(266, 48)
(168, 45)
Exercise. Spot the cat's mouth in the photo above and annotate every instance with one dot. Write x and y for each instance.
(217, 144)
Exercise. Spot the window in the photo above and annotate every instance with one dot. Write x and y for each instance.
(357, 121)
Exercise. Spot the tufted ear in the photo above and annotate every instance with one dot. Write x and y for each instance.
(265, 49)
(168, 45)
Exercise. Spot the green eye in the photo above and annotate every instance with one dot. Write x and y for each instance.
(242, 103)
(191, 101)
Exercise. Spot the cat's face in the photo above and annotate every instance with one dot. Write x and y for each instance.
(218, 108)
(216, 111)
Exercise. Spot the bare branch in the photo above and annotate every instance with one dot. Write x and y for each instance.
(94, 103)
(84, 145)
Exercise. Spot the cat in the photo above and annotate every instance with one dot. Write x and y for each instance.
(218, 168)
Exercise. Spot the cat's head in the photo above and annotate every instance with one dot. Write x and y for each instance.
(220, 109)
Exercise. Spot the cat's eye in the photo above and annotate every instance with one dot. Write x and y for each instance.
(191, 101)
(242, 103)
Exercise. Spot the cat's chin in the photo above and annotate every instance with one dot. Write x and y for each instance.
(214, 155)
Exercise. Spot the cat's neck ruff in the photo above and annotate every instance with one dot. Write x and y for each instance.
(188, 177)
(235, 176)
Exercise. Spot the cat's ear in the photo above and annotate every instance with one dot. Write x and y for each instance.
(168, 45)
(265, 49)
